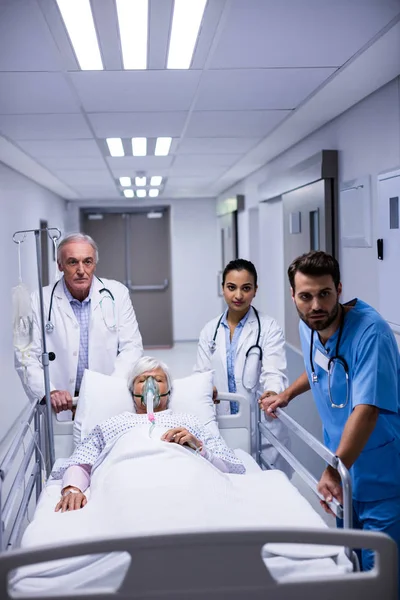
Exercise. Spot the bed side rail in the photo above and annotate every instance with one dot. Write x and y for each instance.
(21, 472)
(189, 566)
(345, 512)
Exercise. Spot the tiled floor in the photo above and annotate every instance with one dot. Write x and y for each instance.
(181, 359)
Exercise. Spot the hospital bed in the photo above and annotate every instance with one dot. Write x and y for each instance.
(240, 563)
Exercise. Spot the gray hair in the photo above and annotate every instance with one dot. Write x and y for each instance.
(148, 363)
(77, 237)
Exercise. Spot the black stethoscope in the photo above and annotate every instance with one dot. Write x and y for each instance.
(339, 359)
(213, 345)
(50, 325)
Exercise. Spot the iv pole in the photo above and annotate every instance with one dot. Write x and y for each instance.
(45, 356)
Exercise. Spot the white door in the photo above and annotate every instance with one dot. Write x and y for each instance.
(389, 244)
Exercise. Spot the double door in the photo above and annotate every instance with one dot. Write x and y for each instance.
(135, 250)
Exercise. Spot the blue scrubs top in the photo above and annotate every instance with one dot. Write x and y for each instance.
(370, 350)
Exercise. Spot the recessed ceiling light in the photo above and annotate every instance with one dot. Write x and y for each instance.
(163, 145)
(129, 193)
(141, 193)
(139, 146)
(115, 146)
(78, 20)
(154, 193)
(156, 180)
(125, 181)
(186, 23)
(140, 181)
(132, 20)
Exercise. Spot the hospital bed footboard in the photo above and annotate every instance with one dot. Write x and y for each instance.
(219, 565)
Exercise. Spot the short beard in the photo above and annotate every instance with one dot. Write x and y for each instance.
(323, 324)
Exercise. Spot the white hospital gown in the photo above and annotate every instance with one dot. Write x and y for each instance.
(89, 452)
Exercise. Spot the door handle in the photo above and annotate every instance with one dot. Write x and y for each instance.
(379, 248)
(147, 288)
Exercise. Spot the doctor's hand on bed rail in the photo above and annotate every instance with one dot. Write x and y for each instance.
(215, 395)
(71, 499)
(270, 401)
(329, 486)
(180, 435)
(61, 400)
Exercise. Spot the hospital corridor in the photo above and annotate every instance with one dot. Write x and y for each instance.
(200, 322)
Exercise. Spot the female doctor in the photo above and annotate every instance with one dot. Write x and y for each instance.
(246, 351)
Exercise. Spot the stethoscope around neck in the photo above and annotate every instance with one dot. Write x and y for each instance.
(339, 359)
(49, 326)
(248, 384)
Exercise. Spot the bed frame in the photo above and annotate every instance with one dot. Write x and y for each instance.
(231, 563)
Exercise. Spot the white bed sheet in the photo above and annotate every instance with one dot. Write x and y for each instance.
(257, 499)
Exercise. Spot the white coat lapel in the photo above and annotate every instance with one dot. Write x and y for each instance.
(249, 334)
(221, 350)
(62, 301)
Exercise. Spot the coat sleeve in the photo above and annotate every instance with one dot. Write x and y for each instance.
(273, 371)
(203, 360)
(28, 363)
(130, 347)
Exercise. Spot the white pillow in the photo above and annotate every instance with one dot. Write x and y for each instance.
(104, 396)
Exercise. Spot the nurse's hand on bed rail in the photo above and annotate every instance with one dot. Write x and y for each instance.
(270, 401)
(329, 486)
(72, 499)
(61, 400)
(215, 395)
(180, 435)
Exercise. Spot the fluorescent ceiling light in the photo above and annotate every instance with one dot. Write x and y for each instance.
(132, 19)
(125, 181)
(139, 146)
(129, 193)
(154, 215)
(156, 180)
(141, 193)
(153, 193)
(115, 146)
(163, 145)
(186, 22)
(78, 20)
(140, 181)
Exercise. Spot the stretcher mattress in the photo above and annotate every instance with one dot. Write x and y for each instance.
(199, 498)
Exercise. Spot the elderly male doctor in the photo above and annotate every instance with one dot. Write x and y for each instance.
(90, 324)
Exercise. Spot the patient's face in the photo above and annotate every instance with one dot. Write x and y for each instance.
(162, 383)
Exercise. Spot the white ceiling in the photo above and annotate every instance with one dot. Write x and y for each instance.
(257, 66)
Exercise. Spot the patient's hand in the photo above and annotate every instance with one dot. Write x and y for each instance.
(180, 435)
(215, 395)
(70, 500)
(61, 400)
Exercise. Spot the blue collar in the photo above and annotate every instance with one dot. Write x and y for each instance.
(241, 323)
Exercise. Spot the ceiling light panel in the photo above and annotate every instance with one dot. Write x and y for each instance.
(115, 146)
(129, 193)
(163, 144)
(139, 146)
(156, 180)
(186, 23)
(133, 30)
(140, 181)
(141, 193)
(78, 20)
(125, 181)
(154, 193)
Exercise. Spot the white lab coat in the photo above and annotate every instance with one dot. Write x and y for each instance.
(271, 371)
(111, 351)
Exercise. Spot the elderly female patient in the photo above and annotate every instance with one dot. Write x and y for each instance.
(162, 424)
